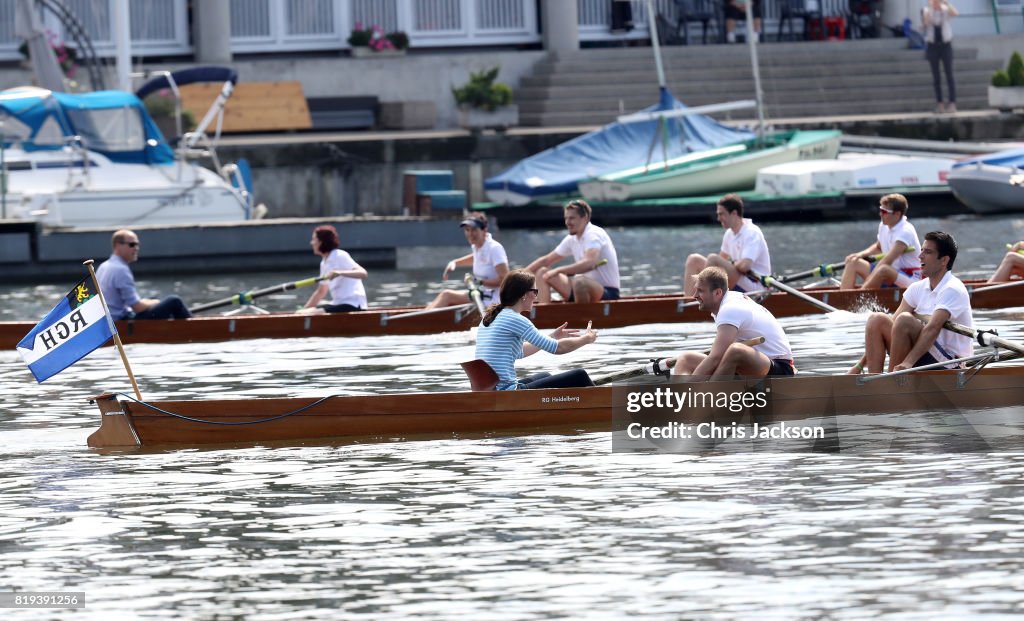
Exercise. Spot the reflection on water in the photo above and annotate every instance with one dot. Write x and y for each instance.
(497, 528)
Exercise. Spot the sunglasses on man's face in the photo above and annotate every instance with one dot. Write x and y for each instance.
(884, 210)
(131, 244)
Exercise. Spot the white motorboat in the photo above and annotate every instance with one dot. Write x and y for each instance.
(990, 183)
(98, 160)
(852, 171)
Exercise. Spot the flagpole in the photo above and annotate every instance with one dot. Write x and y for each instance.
(117, 338)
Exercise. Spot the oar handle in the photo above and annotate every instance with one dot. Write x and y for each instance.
(660, 366)
(474, 294)
(248, 296)
(831, 269)
(1010, 247)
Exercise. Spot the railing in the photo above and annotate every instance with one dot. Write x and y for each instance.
(160, 27)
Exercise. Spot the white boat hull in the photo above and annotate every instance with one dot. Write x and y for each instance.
(851, 172)
(48, 190)
(987, 189)
(734, 173)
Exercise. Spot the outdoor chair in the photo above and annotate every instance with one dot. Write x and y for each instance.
(703, 11)
(807, 10)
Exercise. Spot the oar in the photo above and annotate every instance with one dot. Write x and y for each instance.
(976, 358)
(420, 313)
(475, 295)
(770, 281)
(832, 269)
(1010, 247)
(663, 364)
(249, 296)
(983, 337)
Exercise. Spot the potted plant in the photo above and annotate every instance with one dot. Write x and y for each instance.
(1007, 89)
(484, 103)
(373, 41)
(67, 57)
(163, 108)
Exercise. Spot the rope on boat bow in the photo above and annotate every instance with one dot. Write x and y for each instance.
(230, 424)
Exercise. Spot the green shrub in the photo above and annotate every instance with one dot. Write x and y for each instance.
(1000, 78)
(399, 39)
(1015, 69)
(483, 92)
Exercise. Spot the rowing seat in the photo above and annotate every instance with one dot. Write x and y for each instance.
(482, 377)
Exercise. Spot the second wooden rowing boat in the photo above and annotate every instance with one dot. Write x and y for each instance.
(126, 423)
(628, 311)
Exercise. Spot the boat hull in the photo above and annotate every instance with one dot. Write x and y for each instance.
(987, 189)
(734, 173)
(129, 424)
(628, 311)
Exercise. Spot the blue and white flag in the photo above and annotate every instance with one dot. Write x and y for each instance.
(75, 327)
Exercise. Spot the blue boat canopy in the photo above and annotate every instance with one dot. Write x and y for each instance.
(113, 123)
(1009, 157)
(612, 148)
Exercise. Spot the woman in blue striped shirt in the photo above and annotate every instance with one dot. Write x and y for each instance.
(500, 341)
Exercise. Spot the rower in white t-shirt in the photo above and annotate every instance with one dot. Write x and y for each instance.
(594, 273)
(744, 249)
(737, 318)
(898, 240)
(488, 259)
(940, 295)
(342, 276)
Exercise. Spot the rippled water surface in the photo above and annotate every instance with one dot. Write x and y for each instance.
(543, 526)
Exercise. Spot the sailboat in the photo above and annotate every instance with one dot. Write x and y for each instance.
(697, 154)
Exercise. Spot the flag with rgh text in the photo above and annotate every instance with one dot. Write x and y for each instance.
(75, 327)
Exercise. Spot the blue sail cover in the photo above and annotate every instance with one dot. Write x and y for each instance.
(612, 148)
(113, 123)
(1009, 157)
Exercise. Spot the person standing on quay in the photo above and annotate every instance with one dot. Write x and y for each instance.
(937, 18)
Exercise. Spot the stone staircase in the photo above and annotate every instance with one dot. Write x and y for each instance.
(799, 79)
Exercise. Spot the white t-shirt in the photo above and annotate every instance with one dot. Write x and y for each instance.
(593, 237)
(951, 295)
(753, 320)
(749, 243)
(904, 231)
(486, 258)
(343, 290)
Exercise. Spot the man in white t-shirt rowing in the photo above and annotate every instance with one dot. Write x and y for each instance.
(737, 318)
(594, 273)
(743, 250)
(939, 294)
(895, 236)
(487, 258)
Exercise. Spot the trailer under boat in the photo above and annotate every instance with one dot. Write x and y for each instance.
(628, 311)
(127, 423)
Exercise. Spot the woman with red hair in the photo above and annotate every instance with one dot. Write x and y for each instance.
(343, 277)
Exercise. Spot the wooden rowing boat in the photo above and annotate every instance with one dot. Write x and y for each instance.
(126, 423)
(628, 311)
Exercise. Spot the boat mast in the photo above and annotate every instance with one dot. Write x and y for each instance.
(752, 44)
(122, 37)
(652, 27)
